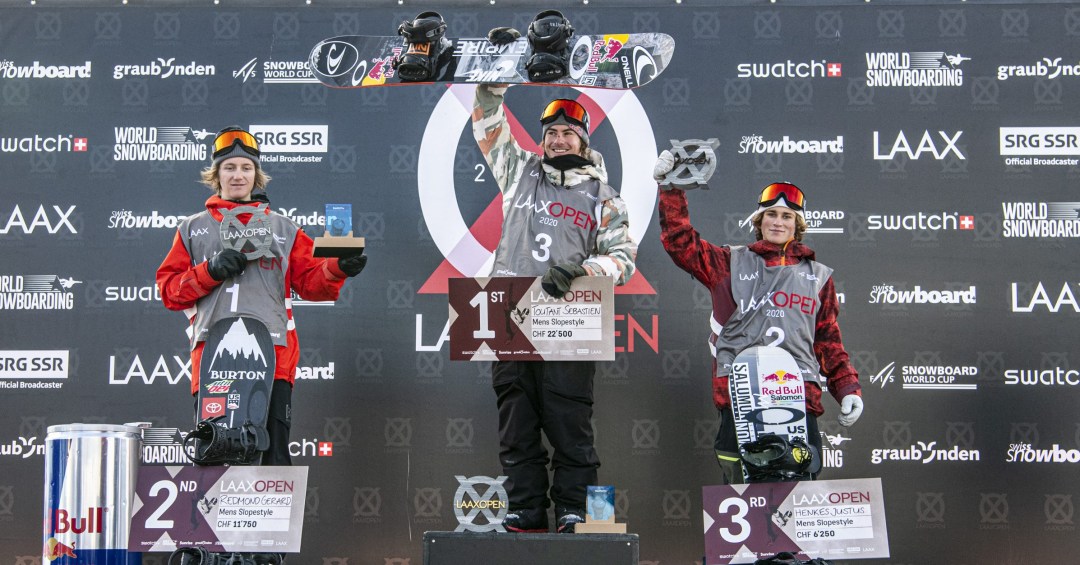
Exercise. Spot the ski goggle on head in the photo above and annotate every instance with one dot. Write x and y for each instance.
(791, 194)
(572, 111)
(225, 140)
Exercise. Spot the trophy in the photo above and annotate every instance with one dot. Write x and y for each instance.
(338, 240)
(695, 162)
(600, 512)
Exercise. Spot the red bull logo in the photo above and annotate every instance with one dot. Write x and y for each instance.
(55, 550)
(613, 47)
(63, 523)
(780, 378)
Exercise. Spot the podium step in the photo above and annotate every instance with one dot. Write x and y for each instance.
(471, 548)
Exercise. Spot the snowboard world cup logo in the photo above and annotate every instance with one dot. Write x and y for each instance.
(253, 239)
(477, 512)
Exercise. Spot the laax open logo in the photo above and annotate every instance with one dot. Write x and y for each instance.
(435, 174)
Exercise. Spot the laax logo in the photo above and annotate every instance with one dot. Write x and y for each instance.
(179, 369)
(367, 504)
(255, 238)
(1040, 299)
(470, 505)
(51, 222)
(938, 148)
(461, 244)
(695, 162)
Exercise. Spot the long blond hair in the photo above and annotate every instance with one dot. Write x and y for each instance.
(211, 177)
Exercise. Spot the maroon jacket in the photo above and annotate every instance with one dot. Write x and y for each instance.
(711, 266)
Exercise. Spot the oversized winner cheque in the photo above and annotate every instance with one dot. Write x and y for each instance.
(513, 319)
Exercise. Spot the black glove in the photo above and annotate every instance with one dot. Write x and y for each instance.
(503, 35)
(558, 278)
(352, 266)
(226, 265)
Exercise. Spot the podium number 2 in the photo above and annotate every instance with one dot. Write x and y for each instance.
(731, 535)
(481, 301)
(154, 521)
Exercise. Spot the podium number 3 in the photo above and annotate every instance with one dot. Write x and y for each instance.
(738, 518)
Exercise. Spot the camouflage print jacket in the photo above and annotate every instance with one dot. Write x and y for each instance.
(616, 250)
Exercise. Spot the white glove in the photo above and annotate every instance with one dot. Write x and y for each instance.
(850, 410)
(664, 163)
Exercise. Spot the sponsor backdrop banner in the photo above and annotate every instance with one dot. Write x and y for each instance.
(938, 146)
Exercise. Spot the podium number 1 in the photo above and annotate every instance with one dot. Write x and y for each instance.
(481, 301)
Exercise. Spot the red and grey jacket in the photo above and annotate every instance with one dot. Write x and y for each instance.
(711, 265)
(185, 284)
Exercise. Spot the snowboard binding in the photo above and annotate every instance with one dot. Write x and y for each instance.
(426, 45)
(200, 556)
(773, 459)
(213, 442)
(549, 36)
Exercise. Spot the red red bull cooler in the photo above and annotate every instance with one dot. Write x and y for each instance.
(90, 472)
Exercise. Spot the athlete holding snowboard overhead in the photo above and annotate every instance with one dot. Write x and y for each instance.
(553, 396)
(210, 283)
(798, 315)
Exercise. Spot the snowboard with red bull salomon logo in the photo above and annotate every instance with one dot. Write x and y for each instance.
(619, 61)
(768, 395)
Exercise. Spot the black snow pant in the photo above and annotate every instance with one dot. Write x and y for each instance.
(555, 397)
